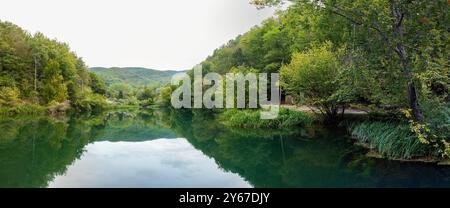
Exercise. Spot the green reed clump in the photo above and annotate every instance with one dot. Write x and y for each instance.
(250, 118)
(391, 140)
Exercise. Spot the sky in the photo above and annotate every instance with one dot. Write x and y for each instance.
(158, 34)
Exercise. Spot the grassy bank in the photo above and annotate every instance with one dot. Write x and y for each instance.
(251, 119)
(389, 139)
(94, 103)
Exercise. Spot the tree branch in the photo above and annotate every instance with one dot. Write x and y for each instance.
(374, 26)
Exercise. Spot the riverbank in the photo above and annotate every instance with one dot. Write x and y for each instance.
(389, 139)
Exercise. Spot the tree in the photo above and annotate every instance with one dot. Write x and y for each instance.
(122, 90)
(164, 96)
(54, 88)
(146, 93)
(97, 84)
(312, 77)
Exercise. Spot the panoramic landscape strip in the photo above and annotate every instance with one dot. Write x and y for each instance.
(225, 94)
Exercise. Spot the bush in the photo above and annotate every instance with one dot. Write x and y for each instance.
(391, 140)
(9, 94)
(91, 103)
(25, 109)
(438, 117)
(164, 96)
(312, 77)
(251, 119)
(435, 131)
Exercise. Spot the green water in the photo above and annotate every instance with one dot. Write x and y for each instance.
(167, 149)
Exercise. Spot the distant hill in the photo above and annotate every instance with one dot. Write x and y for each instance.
(134, 76)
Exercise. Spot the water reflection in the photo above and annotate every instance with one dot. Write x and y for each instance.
(184, 149)
(158, 163)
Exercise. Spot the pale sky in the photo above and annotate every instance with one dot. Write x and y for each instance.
(158, 34)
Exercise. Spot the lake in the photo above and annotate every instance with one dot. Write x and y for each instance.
(163, 148)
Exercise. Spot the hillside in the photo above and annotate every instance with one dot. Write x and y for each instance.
(134, 76)
(36, 70)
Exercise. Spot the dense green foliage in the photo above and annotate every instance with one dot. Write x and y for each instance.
(26, 109)
(313, 77)
(371, 70)
(388, 57)
(91, 103)
(134, 76)
(38, 70)
(98, 84)
(133, 86)
(251, 119)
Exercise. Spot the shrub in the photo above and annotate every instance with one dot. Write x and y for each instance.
(435, 131)
(25, 109)
(164, 96)
(91, 103)
(9, 94)
(251, 119)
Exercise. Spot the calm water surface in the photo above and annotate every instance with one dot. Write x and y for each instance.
(167, 149)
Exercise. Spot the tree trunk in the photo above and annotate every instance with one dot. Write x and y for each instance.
(413, 103)
(400, 49)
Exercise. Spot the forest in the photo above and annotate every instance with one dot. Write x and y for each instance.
(37, 73)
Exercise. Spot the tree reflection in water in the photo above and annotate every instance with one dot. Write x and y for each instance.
(33, 151)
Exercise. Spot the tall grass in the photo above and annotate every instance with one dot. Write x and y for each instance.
(391, 140)
(251, 119)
